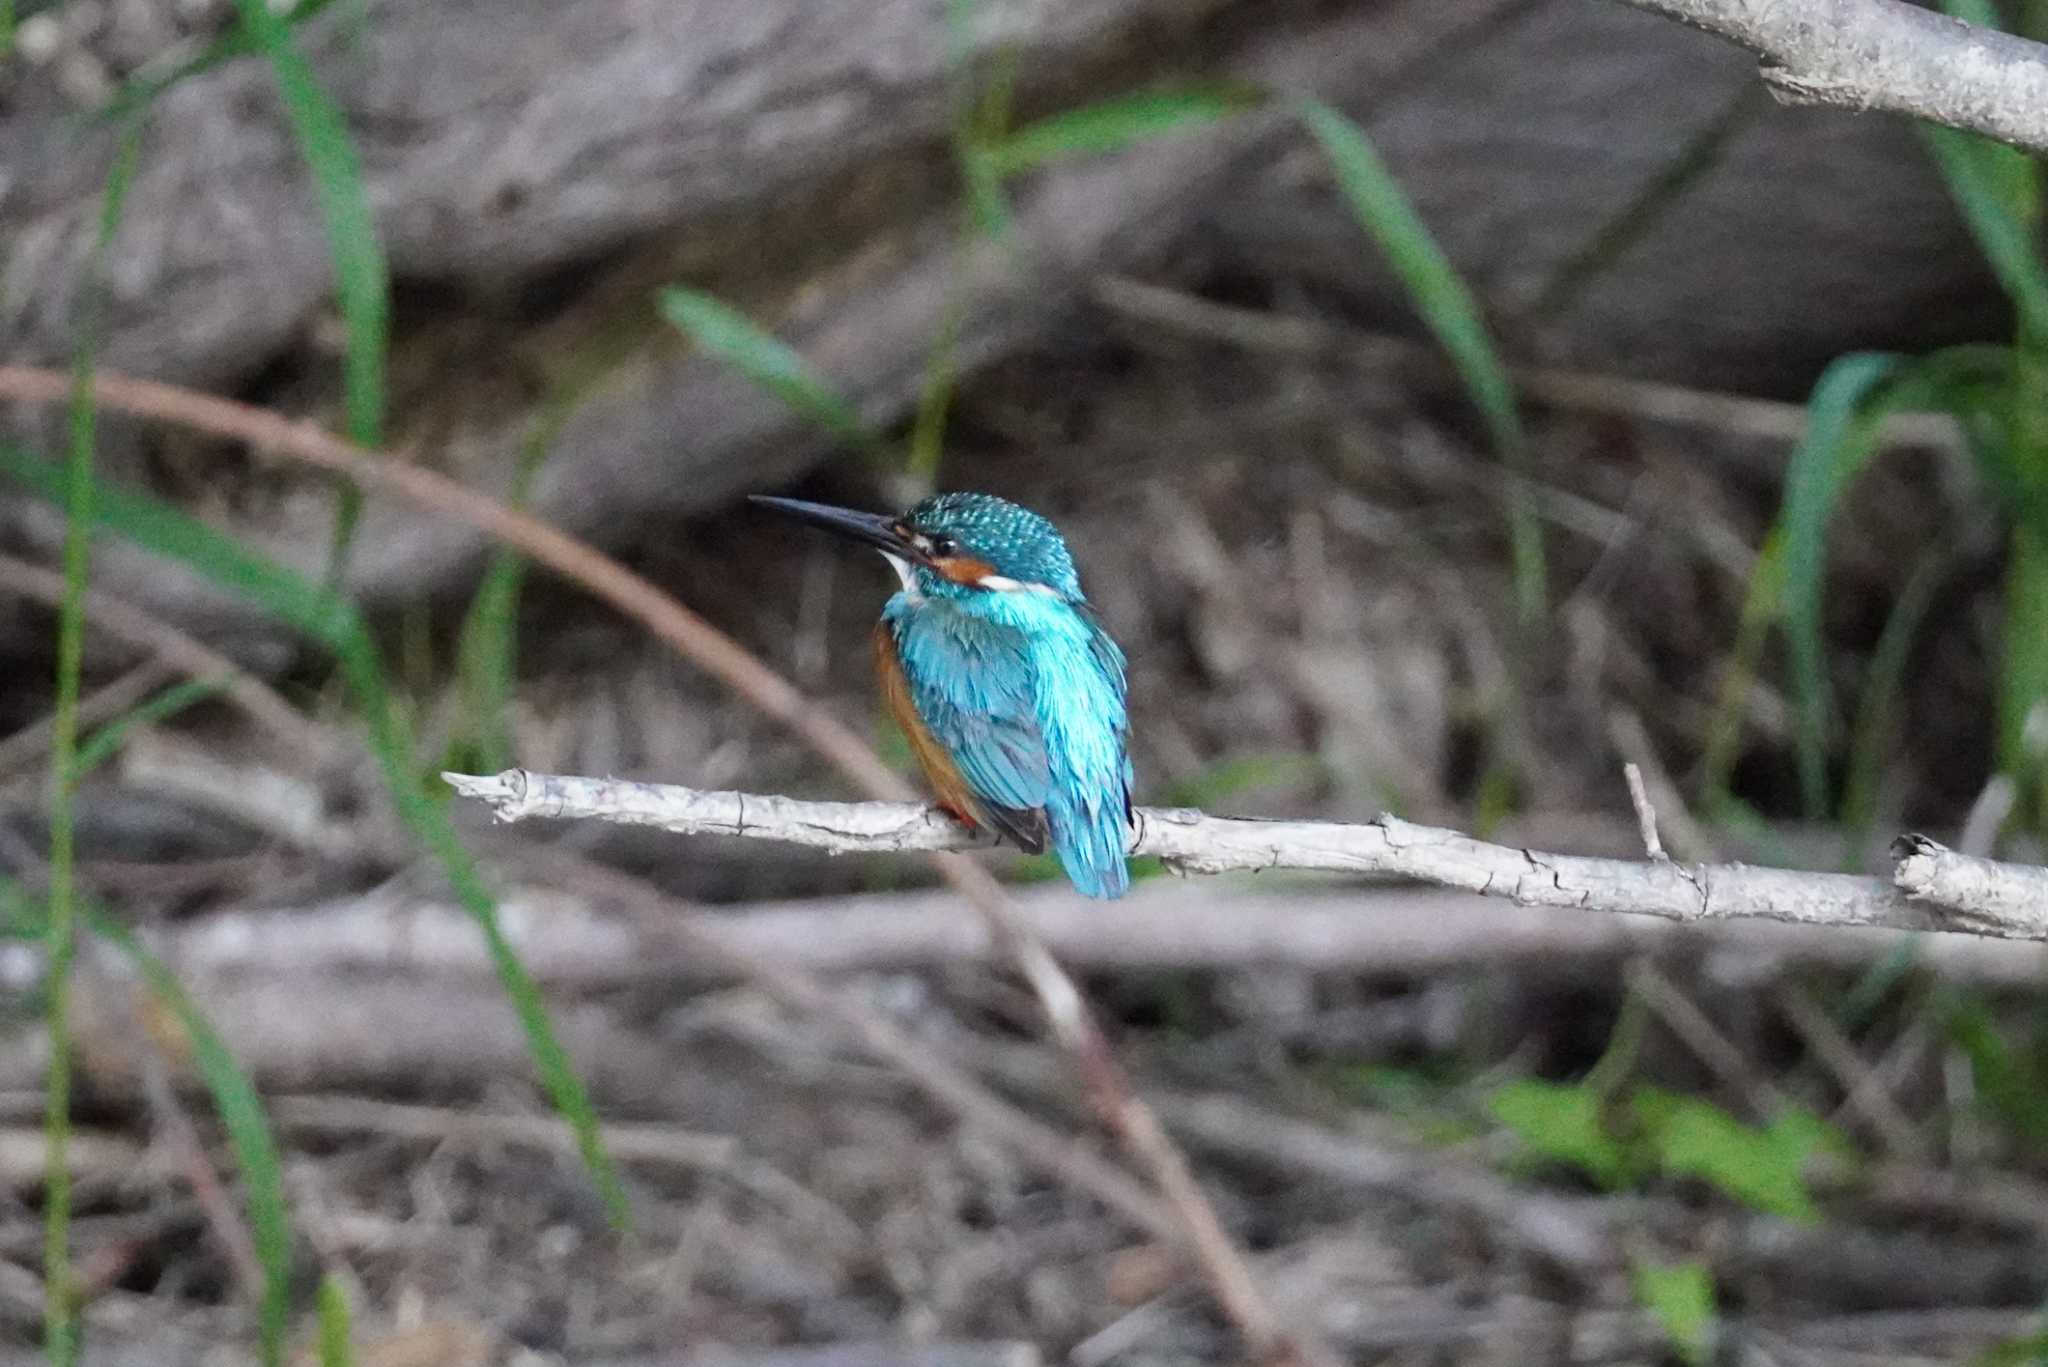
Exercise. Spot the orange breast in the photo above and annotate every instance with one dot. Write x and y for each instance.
(939, 770)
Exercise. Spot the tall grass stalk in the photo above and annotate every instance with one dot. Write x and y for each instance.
(927, 446)
(103, 744)
(1731, 695)
(1999, 192)
(487, 650)
(362, 281)
(981, 117)
(1884, 686)
(1449, 311)
(334, 622)
(140, 90)
(234, 1099)
(1846, 413)
(61, 1329)
(981, 114)
(335, 1348)
(241, 1113)
(1842, 428)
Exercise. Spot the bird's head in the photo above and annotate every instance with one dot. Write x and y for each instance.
(952, 545)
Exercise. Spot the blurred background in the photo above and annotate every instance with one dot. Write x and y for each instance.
(1447, 401)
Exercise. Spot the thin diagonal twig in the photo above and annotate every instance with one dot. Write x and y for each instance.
(1865, 1093)
(1073, 1024)
(28, 745)
(174, 648)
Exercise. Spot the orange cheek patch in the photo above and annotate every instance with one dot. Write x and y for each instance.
(963, 569)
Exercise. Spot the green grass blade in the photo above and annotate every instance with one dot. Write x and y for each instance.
(981, 119)
(1840, 436)
(336, 1349)
(2016, 173)
(104, 743)
(241, 1114)
(1845, 417)
(487, 650)
(6, 30)
(1440, 296)
(1113, 124)
(2009, 1082)
(1982, 13)
(487, 662)
(141, 90)
(1996, 188)
(362, 282)
(725, 332)
(986, 202)
(2023, 666)
(1884, 683)
(1760, 605)
(62, 1329)
(927, 446)
(155, 526)
(1450, 312)
(2013, 171)
(334, 622)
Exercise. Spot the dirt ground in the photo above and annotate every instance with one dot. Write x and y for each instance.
(1304, 556)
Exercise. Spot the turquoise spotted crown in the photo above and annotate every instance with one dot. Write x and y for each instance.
(1014, 541)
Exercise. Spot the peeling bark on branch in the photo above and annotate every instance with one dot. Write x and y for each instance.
(2004, 895)
(1196, 842)
(1881, 54)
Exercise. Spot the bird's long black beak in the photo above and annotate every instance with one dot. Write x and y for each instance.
(876, 529)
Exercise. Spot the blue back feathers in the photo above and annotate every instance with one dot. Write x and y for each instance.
(1019, 682)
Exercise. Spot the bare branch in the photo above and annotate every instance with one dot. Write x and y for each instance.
(718, 654)
(1993, 898)
(1196, 842)
(1885, 55)
(1646, 815)
(569, 939)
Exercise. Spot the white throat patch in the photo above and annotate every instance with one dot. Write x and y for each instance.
(908, 574)
(1002, 584)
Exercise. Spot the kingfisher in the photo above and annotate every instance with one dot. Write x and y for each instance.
(1002, 677)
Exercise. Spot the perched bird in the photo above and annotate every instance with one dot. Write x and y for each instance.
(1001, 675)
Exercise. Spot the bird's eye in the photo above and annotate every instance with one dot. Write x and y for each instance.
(943, 546)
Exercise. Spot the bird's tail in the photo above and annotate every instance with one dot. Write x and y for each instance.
(1090, 842)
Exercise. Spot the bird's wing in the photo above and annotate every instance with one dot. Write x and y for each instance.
(1109, 658)
(963, 695)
